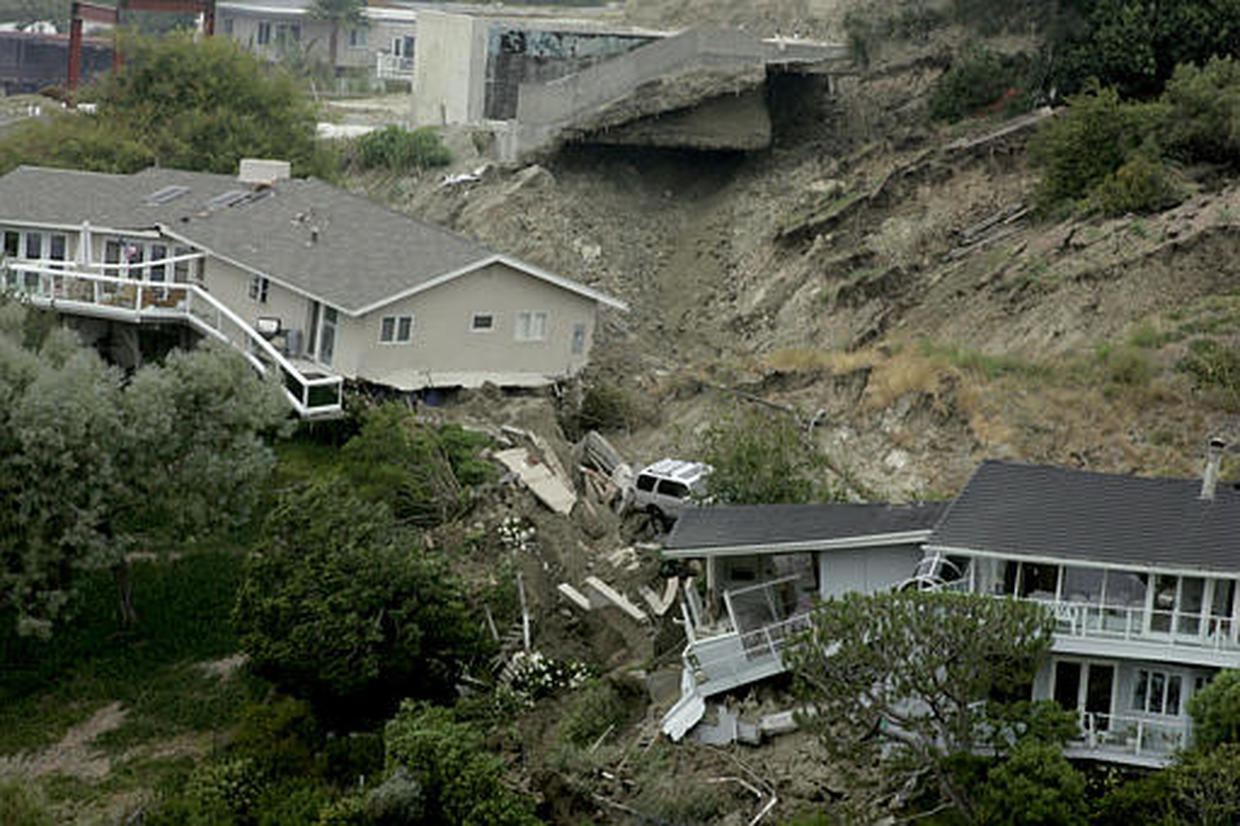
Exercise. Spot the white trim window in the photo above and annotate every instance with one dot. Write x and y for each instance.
(482, 323)
(258, 289)
(1157, 692)
(531, 326)
(263, 36)
(396, 329)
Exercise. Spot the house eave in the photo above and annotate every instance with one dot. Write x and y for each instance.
(1082, 562)
(839, 543)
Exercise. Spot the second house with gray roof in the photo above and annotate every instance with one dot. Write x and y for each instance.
(304, 278)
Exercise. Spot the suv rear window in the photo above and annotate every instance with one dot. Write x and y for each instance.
(669, 488)
(645, 483)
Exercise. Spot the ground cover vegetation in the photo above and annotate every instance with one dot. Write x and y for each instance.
(1150, 89)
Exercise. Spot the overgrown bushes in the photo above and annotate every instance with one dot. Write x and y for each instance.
(983, 79)
(200, 105)
(759, 458)
(400, 150)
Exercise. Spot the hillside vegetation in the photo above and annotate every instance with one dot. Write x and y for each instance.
(965, 249)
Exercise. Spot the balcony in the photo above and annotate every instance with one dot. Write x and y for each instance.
(393, 67)
(1134, 741)
(54, 285)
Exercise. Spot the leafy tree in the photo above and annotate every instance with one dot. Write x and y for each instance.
(1216, 711)
(760, 458)
(338, 13)
(344, 608)
(1202, 121)
(461, 781)
(1034, 786)
(200, 105)
(905, 676)
(91, 468)
(1203, 787)
(423, 473)
(1078, 149)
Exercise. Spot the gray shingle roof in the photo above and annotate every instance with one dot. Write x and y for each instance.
(364, 253)
(1071, 514)
(738, 526)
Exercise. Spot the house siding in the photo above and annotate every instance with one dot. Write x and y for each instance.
(444, 343)
(865, 570)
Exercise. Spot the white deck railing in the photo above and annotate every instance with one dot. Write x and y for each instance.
(1136, 624)
(55, 285)
(393, 67)
(1114, 735)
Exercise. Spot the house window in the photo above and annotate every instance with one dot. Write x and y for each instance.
(396, 329)
(58, 246)
(258, 289)
(11, 244)
(228, 26)
(180, 269)
(482, 323)
(327, 336)
(34, 245)
(159, 272)
(287, 33)
(357, 38)
(531, 326)
(263, 36)
(579, 339)
(1156, 692)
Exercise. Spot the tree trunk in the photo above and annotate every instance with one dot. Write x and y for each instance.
(124, 594)
(331, 47)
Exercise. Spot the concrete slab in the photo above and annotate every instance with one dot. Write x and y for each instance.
(542, 481)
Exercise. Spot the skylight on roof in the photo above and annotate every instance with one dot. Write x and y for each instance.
(229, 198)
(168, 193)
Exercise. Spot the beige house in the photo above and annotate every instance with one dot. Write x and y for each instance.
(384, 45)
(303, 278)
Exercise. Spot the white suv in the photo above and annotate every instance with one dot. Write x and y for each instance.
(663, 488)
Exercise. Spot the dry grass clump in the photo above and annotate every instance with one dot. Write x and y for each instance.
(805, 358)
(903, 373)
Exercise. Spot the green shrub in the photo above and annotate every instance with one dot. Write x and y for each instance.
(596, 708)
(345, 608)
(399, 150)
(355, 755)
(1079, 148)
(1203, 112)
(1035, 785)
(982, 78)
(1212, 365)
(20, 805)
(280, 737)
(760, 458)
(421, 472)
(1140, 185)
(461, 782)
(1216, 711)
(226, 787)
(294, 802)
(1126, 365)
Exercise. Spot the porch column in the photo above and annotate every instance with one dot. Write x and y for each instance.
(712, 589)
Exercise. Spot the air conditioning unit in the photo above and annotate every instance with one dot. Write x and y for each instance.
(293, 342)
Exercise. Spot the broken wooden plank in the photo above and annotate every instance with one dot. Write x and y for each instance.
(550, 489)
(574, 596)
(659, 605)
(616, 598)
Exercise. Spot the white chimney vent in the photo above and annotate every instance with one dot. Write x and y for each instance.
(1214, 458)
(259, 171)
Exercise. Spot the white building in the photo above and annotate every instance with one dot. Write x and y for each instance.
(1140, 574)
(306, 279)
